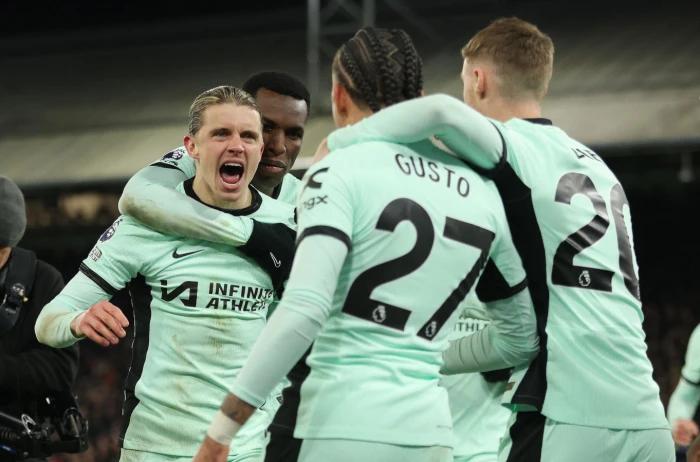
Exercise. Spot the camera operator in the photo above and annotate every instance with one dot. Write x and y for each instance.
(29, 371)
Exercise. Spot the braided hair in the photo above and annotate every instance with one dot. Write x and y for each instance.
(379, 67)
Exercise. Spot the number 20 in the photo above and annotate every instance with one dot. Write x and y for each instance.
(564, 272)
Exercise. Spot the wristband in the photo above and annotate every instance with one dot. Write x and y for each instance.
(223, 429)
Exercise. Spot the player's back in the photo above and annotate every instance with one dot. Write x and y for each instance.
(585, 287)
(420, 229)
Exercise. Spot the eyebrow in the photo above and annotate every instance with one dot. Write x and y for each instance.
(250, 133)
(220, 131)
(297, 128)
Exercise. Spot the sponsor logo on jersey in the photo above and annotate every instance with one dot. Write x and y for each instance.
(314, 201)
(109, 232)
(275, 261)
(185, 254)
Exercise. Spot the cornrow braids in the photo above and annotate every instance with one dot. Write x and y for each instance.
(383, 57)
(413, 67)
(379, 67)
(358, 82)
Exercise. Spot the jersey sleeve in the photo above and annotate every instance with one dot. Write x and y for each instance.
(150, 197)
(304, 309)
(691, 369)
(471, 136)
(178, 159)
(117, 256)
(325, 203)
(511, 338)
(52, 327)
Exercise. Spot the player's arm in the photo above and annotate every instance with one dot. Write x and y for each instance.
(81, 309)
(151, 198)
(511, 338)
(686, 397)
(323, 244)
(290, 331)
(470, 135)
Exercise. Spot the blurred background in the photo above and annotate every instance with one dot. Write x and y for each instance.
(93, 91)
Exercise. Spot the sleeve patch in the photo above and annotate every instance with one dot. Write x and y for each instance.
(109, 232)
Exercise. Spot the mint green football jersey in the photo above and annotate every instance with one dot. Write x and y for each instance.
(419, 226)
(198, 309)
(286, 192)
(478, 417)
(571, 223)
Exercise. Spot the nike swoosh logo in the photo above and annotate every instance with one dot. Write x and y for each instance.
(275, 261)
(180, 255)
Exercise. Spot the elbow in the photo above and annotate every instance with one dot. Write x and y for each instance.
(42, 329)
(524, 352)
(443, 108)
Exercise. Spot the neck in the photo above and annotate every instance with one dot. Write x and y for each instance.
(506, 109)
(264, 188)
(207, 196)
(355, 114)
(4, 255)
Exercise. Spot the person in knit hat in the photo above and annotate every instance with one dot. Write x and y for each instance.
(29, 371)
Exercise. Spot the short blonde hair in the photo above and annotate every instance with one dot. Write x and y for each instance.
(523, 55)
(218, 95)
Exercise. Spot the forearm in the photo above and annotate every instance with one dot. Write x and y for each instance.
(151, 198)
(53, 326)
(684, 401)
(510, 340)
(471, 136)
(289, 333)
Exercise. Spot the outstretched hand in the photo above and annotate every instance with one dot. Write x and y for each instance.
(103, 323)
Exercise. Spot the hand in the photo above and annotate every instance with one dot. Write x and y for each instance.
(272, 247)
(684, 431)
(321, 151)
(103, 323)
(211, 451)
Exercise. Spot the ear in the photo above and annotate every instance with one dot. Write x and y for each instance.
(480, 82)
(191, 146)
(340, 98)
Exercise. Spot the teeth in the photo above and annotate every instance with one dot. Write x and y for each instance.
(233, 164)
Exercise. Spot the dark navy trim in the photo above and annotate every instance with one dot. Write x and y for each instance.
(527, 237)
(493, 286)
(326, 231)
(526, 435)
(97, 279)
(255, 203)
(539, 121)
(165, 165)
(141, 302)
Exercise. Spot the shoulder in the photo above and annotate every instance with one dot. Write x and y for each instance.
(177, 158)
(126, 227)
(275, 211)
(694, 341)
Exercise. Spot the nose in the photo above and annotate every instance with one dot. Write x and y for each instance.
(275, 143)
(236, 144)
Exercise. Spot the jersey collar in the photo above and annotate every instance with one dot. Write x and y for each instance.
(254, 204)
(539, 121)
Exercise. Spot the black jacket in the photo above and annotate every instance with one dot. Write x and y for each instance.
(29, 371)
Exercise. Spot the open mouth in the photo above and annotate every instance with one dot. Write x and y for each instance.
(231, 172)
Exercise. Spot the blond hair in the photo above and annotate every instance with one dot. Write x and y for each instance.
(523, 56)
(218, 95)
